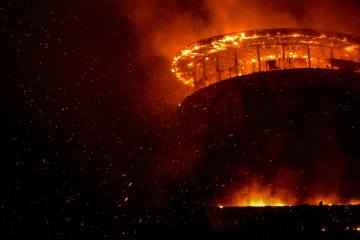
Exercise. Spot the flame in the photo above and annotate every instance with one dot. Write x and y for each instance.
(354, 201)
(351, 48)
(324, 200)
(266, 202)
(258, 195)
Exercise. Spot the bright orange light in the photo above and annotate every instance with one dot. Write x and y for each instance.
(354, 201)
(329, 200)
(256, 195)
(266, 202)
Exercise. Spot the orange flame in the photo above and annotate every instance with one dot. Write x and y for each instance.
(257, 195)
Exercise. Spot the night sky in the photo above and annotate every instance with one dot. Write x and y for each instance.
(88, 106)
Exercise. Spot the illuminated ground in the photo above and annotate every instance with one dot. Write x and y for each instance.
(297, 222)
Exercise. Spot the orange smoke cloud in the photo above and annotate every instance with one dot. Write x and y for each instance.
(166, 26)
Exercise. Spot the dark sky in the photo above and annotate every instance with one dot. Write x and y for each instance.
(87, 103)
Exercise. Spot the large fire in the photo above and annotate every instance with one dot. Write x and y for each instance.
(214, 59)
(257, 195)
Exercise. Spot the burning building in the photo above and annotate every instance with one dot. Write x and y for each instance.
(274, 118)
(222, 57)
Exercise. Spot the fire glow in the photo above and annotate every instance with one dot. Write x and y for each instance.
(256, 195)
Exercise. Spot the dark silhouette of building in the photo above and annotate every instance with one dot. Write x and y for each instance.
(290, 100)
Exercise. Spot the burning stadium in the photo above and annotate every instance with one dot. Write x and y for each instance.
(274, 120)
(160, 119)
(222, 57)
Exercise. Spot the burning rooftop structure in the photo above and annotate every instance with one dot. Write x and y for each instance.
(222, 57)
(274, 118)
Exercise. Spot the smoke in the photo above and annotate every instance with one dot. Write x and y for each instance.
(167, 26)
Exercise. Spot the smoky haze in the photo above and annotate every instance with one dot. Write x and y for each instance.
(166, 26)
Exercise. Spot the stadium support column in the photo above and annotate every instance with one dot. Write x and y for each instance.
(217, 68)
(331, 57)
(195, 78)
(204, 70)
(236, 63)
(259, 57)
(283, 55)
(308, 56)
